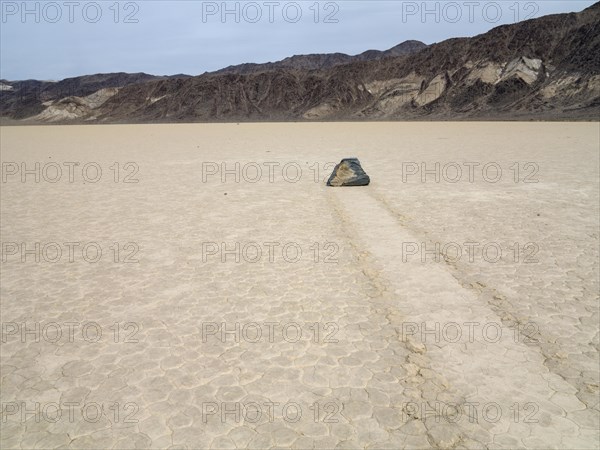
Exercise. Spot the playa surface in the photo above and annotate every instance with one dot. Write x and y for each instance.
(198, 286)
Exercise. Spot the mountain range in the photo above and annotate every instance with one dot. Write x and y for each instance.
(541, 69)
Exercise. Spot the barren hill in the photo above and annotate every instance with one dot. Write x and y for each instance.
(546, 68)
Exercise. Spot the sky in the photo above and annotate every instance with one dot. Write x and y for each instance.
(52, 40)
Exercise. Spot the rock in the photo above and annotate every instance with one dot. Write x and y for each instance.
(349, 173)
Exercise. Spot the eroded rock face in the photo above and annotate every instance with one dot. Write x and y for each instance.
(349, 172)
(524, 68)
(71, 108)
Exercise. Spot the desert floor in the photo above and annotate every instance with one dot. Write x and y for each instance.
(196, 286)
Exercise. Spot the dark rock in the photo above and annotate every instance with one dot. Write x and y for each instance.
(349, 173)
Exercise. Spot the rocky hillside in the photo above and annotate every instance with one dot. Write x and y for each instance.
(546, 68)
(325, 61)
(22, 99)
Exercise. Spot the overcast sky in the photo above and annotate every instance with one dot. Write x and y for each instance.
(54, 40)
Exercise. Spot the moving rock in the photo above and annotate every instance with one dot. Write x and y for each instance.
(349, 173)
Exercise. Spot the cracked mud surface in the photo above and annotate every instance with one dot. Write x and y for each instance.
(338, 349)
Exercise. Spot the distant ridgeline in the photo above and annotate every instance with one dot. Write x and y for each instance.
(546, 68)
